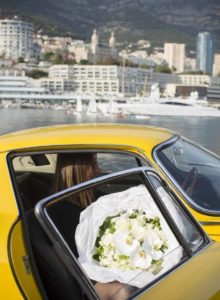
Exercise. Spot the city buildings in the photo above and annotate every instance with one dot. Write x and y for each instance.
(216, 65)
(114, 80)
(190, 64)
(94, 51)
(204, 52)
(97, 79)
(174, 54)
(16, 39)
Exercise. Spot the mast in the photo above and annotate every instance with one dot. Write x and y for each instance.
(145, 86)
(123, 76)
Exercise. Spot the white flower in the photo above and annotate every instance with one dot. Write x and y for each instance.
(107, 239)
(131, 241)
(121, 223)
(138, 232)
(140, 259)
(106, 261)
(124, 243)
(152, 244)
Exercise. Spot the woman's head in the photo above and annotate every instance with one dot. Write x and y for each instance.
(75, 168)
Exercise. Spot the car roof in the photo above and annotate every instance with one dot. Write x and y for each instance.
(138, 136)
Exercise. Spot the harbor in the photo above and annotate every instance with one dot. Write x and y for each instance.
(202, 130)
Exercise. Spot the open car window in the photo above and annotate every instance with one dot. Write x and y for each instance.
(195, 171)
(133, 232)
(35, 173)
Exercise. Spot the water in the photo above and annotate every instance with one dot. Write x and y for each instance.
(203, 130)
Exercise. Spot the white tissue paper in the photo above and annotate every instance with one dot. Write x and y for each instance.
(113, 204)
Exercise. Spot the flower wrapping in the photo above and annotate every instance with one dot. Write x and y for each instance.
(124, 237)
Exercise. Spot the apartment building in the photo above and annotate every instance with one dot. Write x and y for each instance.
(16, 39)
(98, 79)
(174, 54)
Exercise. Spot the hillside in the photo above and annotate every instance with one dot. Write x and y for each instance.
(158, 21)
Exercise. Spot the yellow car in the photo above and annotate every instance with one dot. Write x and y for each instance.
(38, 249)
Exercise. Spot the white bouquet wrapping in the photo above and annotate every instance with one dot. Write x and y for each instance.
(124, 237)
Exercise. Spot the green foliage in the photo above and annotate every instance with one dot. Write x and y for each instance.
(36, 74)
(20, 60)
(134, 20)
(164, 247)
(195, 73)
(98, 253)
(70, 62)
(108, 60)
(131, 64)
(107, 224)
(133, 215)
(145, 67)
(162, 69)
(123, 257)
(84, 62)
(48, 56)
(57, 59)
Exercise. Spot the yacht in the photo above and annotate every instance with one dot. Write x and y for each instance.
(172, 107)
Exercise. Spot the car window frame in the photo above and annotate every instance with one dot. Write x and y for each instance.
(135, 152)
(186, 197)
(57, 239)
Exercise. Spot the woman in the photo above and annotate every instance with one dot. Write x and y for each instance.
(73, 169)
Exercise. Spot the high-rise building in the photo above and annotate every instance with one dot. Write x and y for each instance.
(204, 52)
(216, 65)
(174, 54)
(16, 38)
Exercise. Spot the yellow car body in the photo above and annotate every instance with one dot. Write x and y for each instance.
(198, 278)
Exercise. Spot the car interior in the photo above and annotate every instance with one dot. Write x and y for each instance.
(34, 178)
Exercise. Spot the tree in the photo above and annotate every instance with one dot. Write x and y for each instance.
(57, 59)
(36, 74)
(70, 62)
(48, 56)
(84, 62)
(108, 60)
(20, 60)
(195, 72)
(162, 69)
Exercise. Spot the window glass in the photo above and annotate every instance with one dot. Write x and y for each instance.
(196, 171)
(113, 162)
(186, 227)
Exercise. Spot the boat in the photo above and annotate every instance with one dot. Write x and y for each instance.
(92, 107)
(171, 107)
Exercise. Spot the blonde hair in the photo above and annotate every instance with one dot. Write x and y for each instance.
(73, 169)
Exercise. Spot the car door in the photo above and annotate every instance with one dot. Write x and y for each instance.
(186, 234)
(17, 281)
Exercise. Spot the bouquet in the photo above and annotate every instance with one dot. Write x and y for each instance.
(131, 240)
(124, 237)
